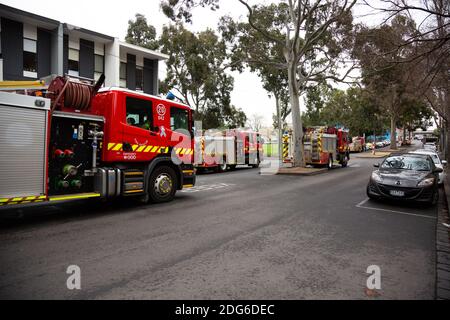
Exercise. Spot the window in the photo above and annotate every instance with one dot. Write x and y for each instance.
(74, 64)
(99, 67)
(139, 79)
(29, 58)
(179, 119)
(139, 113)
(406, 163)
(123, 75)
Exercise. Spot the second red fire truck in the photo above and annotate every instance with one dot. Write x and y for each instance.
(223, 150)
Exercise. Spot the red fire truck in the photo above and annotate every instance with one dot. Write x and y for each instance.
(81, 141)
(222, 150)
(325, 145)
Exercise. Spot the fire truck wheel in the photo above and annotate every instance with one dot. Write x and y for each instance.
(162, 185)
(330, 162)
(223, 167)
(344, 162)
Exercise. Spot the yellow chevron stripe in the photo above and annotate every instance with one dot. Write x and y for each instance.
(117, 147)
(155, 149)
(134, 147)
(110, 145)
(140, 149)
(178, 150)
(148, 148)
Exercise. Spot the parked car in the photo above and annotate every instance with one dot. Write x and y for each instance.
(430, 146)
(436, 159)
(379, 144)
(407, 177)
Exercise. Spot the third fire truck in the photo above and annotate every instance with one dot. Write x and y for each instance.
(326, 145)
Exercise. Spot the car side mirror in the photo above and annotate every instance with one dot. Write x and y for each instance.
(444, 162)
(376, 165)
(438, 170)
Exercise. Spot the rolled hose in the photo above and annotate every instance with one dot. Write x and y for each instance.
(77, 96)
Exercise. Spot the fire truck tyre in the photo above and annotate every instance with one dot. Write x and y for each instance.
(223, 167)
(162, 185)
(330, 162)
(344, 162)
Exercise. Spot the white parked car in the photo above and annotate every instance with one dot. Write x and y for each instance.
(430, 146)
(437, 161)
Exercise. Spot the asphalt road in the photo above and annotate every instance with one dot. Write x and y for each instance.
(237, 235)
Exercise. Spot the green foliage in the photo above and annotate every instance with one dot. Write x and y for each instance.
(391, 81)
(195, 69)
(141, 33)
(181, 10)
(352, 108)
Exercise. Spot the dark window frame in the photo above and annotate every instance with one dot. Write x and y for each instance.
(140, 108)
(27, 56)
(139, 78)
(174, 126)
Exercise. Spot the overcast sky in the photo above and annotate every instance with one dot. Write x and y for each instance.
(111, 18)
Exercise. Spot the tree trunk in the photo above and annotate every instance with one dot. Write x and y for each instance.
(393, 134)
(447, 140)
(404, 134)
(280, 130)
(297, 127)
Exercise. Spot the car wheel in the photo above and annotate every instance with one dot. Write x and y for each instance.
(369, 194)
(162, 185)
(435, 198)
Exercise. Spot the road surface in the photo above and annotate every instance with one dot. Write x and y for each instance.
(236, 235)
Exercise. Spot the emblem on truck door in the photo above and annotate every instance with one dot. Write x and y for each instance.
(161, 110)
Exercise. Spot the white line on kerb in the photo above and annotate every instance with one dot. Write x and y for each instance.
(360, 205)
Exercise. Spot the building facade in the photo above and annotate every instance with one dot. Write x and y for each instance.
(34, 47)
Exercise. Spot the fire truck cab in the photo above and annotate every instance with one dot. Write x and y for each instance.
(85, 142)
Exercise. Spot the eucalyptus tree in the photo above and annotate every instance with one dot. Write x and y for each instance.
(310, 39)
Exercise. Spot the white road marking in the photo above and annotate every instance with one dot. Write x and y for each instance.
(207, 187)
(354, 165)
(360, 205)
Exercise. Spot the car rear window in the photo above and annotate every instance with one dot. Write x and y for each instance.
(406, 163)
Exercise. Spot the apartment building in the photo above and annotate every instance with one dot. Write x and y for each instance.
(34, 47)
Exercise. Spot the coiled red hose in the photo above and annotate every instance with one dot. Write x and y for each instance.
(77, 96)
